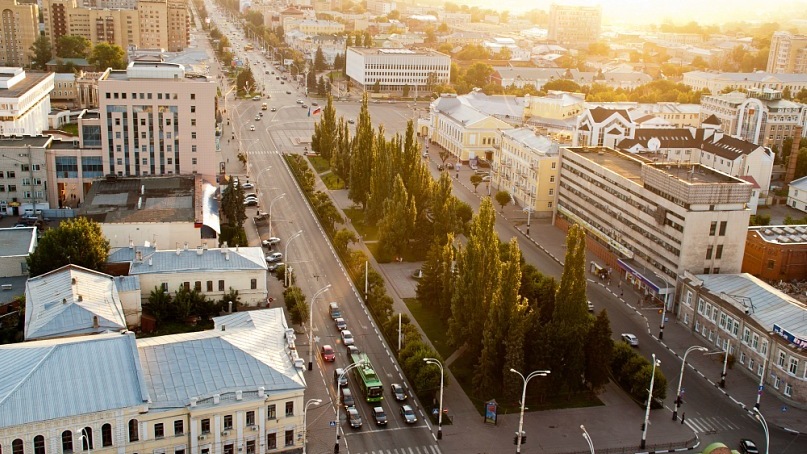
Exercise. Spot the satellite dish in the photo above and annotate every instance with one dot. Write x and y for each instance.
(653, 144)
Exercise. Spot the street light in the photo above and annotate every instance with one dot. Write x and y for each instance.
(537, 373)
(764, 423)
(311, 326)
(286, 257)
(339, 404)
(656, 362)
(681, 377)
(588, 438)
(436, 362)
(664, 309)
(305, 420)
(270, 211)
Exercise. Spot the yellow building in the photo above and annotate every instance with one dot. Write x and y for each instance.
(19, 28)
(464, 131)
(556, 105)
(526, 166)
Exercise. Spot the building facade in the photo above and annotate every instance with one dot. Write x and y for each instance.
(651, 220)
(719, 82)
(465, 132)
(396, 69)
(24, 101)
(762, 327)
(19, 28)
(23, 174)
(158, 121)
(776, 253)
(788, 53)
(797, 194)
(574, 25)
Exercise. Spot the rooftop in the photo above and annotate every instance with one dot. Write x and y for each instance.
(532, 141)
(144, 199)
(200, 259)
(17, 241)
(31, 80)
(385, 51)
(781, 234)
(38, 141)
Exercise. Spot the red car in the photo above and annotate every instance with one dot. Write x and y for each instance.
(327, 353)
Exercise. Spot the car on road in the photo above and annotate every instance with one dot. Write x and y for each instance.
(274, 257)
(251, 202)
(340, 323)
(275, 266)
(590, 306)
(257, 118)
(352, 350)
(630, 339)
(256, 98)
(379, 416)
(347, 338)
(288, 92)
(269, 242)
(251, 127)
(304, 106)
(408, 414)
(748, 447)
(299, 101)
(250, 195)
(327, 353)
(339, 377)
(354, 418)
(282, 83)
(486, 178)
(351, 121)
(315, 104)
(248, 185)
(274, 109)
(482, 172)
(398, 392)
(347, 398)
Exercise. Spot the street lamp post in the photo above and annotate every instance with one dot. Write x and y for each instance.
(305, 421)
(664, 309)
(339, 404)
(311, 326)
(656, 362)
(270, 211)
(725, 365)
(436, 362)
(537, 373)
(681, 378)
(588, 438)
(286, 257)
(764, 423)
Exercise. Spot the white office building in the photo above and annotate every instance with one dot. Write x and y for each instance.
(24, 101)
(395, 69)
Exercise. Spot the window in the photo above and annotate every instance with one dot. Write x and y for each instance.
(719, 253)
(11, 174)
(197, 286)
(700, 306)
(159, 430)
(179, 451)
(290, 408)
(713, 228)
(742, 357)
(106, 435)
(228, 422)
(253, 284)
(760, 369)
(206, 426)
(289, 438)
(193, 134)
(221, 285)
(780, 361)
(193, 160)
(250, 418)
(746, 335)
(67, 442)
(764, 348)
(793, 365)
(134, 433)
(709, 252)
(228, 449)
(209, 286)
(193, 149)
(723, 225)
(17, 447)
(193, 95)
(271, 412)
(755, 341)
(179, 427)
(271, 441)
(771, 264)
(776, 381)
(193, 109)
(250, 446)
(39, 444)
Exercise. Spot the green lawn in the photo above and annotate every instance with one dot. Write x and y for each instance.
(433, 325)
(70, 128)
(319, 163)
(356, 215)
(332, 181)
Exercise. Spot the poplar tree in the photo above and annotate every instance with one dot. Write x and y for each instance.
(361, 157)
(382, 177)
(443, 210)
(436, 286)
(340, 161)
(399, 219)
(599, 351)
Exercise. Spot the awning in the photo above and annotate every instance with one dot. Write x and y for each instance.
(654, 282)
(210, 207)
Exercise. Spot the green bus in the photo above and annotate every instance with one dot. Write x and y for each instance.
(368, 380)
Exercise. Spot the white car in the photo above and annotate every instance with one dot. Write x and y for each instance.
(269, 242)
(248, 185)
(347, 337)
(630, 339)
(274, 257)
(251, 127)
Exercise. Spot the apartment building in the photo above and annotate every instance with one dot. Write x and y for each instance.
(23, 174)
(526, 165)
(653, 220)
(19, 28)
(758, 324)
(797, 194)
(574, 25)
(719, 82)
(788, 53)
(759, 115)
(237, 386)
(157, 121)
(24, 101)
(465, 132)
(776, 253)
(394, 69)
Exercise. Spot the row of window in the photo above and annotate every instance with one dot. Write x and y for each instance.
(209, 287)
(123, 95)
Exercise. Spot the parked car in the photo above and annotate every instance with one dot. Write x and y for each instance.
(304, 106)
(339, 377)
(273, 109)
(486, 178)
(340, 323)
(315, 104)
(408, 414)
(299, 101)
(251, 202)
(590, 306)
(327, 353)
(347, 337)
(249, 195)
(748, 447)
(257, 118)
(288, 92)
(256, 98)
(630, 339)
(354, 418)
(269, 242)
(274, 266)
(248, 185)
(274, 257)
(398, 392)
(351, 121)
(347, 398)
(379, 416)
(251, 127)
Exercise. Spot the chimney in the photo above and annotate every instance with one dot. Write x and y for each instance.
(204, 245)
(186, 245)
(794, 156)
(149, 261)
(95, 323)
(194, 401)
(138, 256)
(178, 250)
(131, 244)
(216, 399)
(239, 395)
(261, 391)
(199, 250)
(226, 255)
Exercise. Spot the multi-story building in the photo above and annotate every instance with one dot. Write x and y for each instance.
(526, 165)
(538, 77)
(239, 386)
(157, 120)
(720, 82)
(756, 323)
(788, 53)
(315, 26)
(179, 25)
(17, 244)
(23, 174)
(24, 101)
(651, 219)
(574, 25)
(760, 115)
(396, 69)
(465, 132)
(797, 194)
(19, 28)
(776, 253)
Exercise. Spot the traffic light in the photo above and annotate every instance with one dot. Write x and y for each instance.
(523, 438)
(515, 439)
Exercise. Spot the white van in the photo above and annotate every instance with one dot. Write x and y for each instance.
(333, 308)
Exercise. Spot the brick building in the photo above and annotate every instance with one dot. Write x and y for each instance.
(775, 253)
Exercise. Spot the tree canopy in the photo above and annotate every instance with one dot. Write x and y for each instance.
(78, 241)
(105, 55)
(72, 46)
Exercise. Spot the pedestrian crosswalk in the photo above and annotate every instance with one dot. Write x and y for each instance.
(710, 424)
(406, 450)
(262, 152)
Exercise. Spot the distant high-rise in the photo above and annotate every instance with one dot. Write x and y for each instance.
(574, 25)
(788, 53)
(19, 28)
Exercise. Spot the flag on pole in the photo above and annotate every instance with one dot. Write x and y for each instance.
(316, 111)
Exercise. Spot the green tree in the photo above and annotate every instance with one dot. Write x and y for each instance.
(436, 286)
(599, 350)
(323, 141)
(342, 239)
(159, 305)
(295, 303)
(562, 85)
(377, 86)
(396, 226)
(503, 198)
(443, 210)
(342, 155)
(476, 180)
(362, 157)
(319, 60)
(77, 241)
(105, 55)
(245, 81)
(382, 179)
(478, 75)
(42, 52)
(72, 46)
